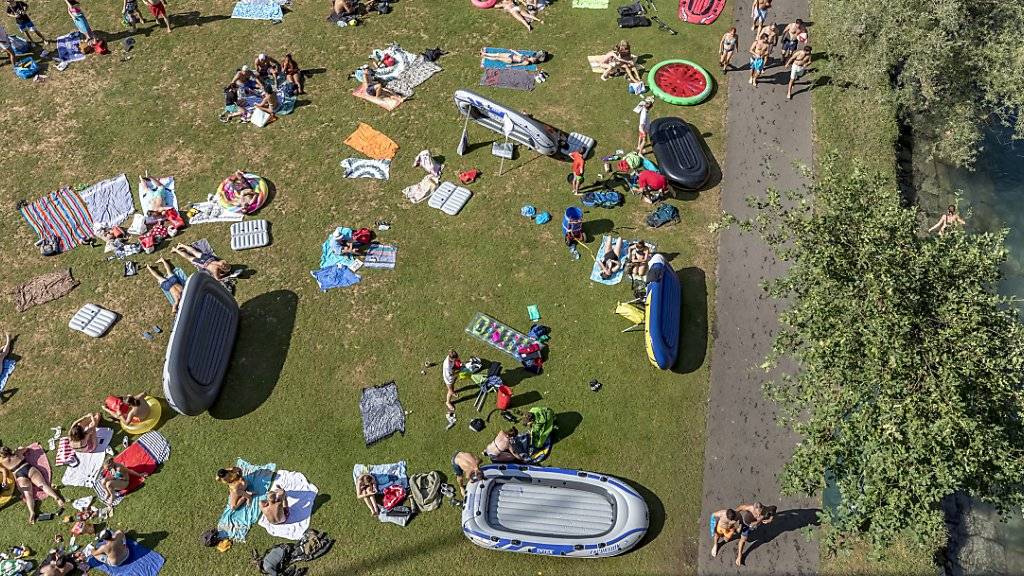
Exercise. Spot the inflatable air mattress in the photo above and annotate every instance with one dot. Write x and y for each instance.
(664, 303)
(700, 11)
(200, 346)
(533, 134)
(553, 511)
(679, 152)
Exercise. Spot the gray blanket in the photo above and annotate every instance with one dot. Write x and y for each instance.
(109, 201)
(382, 412)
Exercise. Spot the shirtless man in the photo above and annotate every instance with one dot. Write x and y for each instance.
(772, 31)
(752, 516)
(759, 13)
(798, 64)
(169, 281)
(726, 525)
(217, 267)
(466, 467)
(791, 36)
(111, 549)
(758, 58)
(26, 477)
(275, 507)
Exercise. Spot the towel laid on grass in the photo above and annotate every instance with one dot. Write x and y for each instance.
(89, 463)
(235, 524)
(61, 214)
(157, 192)
(334, 277)
(593, 4)
(384, 474)
(388, 103)
(212, 211)
(258, 10)
(381, 256)
(35, 456)
(382, 412)
(486, 62)
(301, 496)
(43, 289)
(328, 257)
(141, 562)
(415, 74)
(109, 201)
(68, 49)
(365, 168)
(508, 78)
(372, 143)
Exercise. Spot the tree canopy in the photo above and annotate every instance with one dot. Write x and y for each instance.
(953, 64)
(907, 385)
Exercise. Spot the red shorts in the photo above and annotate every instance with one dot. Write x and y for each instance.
(158, 10)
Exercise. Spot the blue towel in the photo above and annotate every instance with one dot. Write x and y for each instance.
(497, 65)
(181, 276)
(141, 562)
(258, 10)
(595, 274)
(384, 474)
(329, 258)
(334, 277)
(5, 372)
(68, 49)
(235, 524)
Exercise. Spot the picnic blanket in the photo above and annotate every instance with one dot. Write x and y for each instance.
(498, 335)
(6, 369)
(388, 103)
(334, 277)
(365, 168)
(415, 74)
(301, 496)
(43, 289)
(61, 214)
(381, 256)
(403, 60)
(382, 412)
(385, 474)
(419, 192)
(258, 10)
(36, 456)
(68, 49)
(157, 192)
(595, 273)
(109, 201)
(328, 257)
(181, 276)
(593, 4)
(508, 78)
(212, 211)
(486, 62)
(141, 562)
(89, 463)
(235, 524)
(372, 143)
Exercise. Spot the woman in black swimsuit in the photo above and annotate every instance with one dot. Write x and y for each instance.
(14, 467)
(611, 262)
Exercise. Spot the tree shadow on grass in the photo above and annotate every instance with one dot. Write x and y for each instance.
(264, 336)
(148, 539)
(693, 337)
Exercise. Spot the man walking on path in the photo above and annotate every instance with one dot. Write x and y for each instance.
(758, 58)
(798, 64)
(793, 34)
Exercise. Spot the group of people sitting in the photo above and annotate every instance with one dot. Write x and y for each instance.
(274, 507)
(261, 79)
(638, 255)
(110, 549)
(618, 61)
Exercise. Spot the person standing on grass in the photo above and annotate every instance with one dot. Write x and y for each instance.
(159, 10)
(130, 14)
(727, 48)
(644, 126)
(576, 177)
(759, 13)
(78, 17)
(758, 58)
(798, 64)
(791, 37)
(449, 374)
(19, 11)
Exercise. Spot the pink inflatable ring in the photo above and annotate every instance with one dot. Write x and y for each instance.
(484, 3)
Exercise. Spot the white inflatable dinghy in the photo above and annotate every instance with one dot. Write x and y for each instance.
(553, 511)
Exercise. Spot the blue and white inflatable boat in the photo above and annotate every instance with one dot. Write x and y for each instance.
(554, 512)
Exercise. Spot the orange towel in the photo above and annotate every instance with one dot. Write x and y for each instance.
(372, 143)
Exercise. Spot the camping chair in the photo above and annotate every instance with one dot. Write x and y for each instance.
(630, 311)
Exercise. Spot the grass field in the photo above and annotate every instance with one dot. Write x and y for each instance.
(303, 356)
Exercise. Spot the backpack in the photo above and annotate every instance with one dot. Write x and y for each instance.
(362, 236)
(662, 215)
(433, 54)
(50, 246)
(633, 9)
(210, 538)
(602, 199)
(425, 491)
(634, 22)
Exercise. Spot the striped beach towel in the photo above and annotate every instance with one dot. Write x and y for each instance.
(61, 214)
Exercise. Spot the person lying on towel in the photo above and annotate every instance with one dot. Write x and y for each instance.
(342, 243)
(611, 262)
(127, 410)
(110, 548)
(516, 58)
(217, 267)
(57, 564)
(238, 491)
(169, 281)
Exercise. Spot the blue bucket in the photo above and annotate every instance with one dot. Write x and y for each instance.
(572, 222)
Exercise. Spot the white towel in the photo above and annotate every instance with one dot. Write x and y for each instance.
(89, 463)
(211, 211)
(301, 494)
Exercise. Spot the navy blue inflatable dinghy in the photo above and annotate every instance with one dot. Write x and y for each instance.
(679, 152)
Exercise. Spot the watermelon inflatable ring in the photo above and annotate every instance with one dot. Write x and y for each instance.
(679, 82)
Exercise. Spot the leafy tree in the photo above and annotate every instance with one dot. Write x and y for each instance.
(950, 65)
(907, 385)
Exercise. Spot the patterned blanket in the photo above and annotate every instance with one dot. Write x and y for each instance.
(61, 214)
(509, 78)
(381, 256)
(418, 72)
(382, 412)
(68, 49)
(364, 168)
(258, 10)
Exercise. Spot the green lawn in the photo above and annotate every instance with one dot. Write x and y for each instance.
(302, 356)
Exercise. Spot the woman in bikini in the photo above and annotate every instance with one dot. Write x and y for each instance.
(638, 255)
(127, 409)
(522, 16)
(116, 477)
(269, 102)
(366, 490)
(238, 491)
(293, 73)
(217, 267)
(26, 477)
(621, 59)
(82, 433)
(727, 48)
(611, 262)
(515, 58)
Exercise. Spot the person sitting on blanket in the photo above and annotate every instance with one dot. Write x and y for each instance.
(620, 59)
(275, 507)
(116, 477)
(242, 189)
(265, 66)
(110, 548)
(238, 491)
(83, 432)
(26, 477)
(128, 409)
(651, 186)
(217, 267)
(366, 490)
(466, 467)
(57, 564)
(374, 86)
(638, 255)
(293, 73)
(524, 17)
(342, 243)
(243, 76)
(516, 58)
(169, 281)
(502, 448)
(231, 107)
(269, 102)
(610, 263)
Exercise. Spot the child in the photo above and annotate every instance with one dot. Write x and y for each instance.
(642, 108)
(576, 177)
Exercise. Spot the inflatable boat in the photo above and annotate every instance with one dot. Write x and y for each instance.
(679, 152)
(553, 512)
(662, 322)
(200, 345)
(535, 135)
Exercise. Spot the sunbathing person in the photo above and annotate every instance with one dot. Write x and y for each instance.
(621, 59)
(231, 107)
(269, 102)
(83, 433)
(127, 409)
(516, 58)
(57, 564)
(217, 267)
(275, 507)
(169, 281)
(344, 7)
(293, 73)
(243, 76)
(611, 262)
(264, 66)
(467, 470)
(366, 490)
(116, 477)
(26, 477)
(522, 16)
(638, 256)
(238, 491)
(374, 86)
(241, 189)
(110, 548)
(502, 448)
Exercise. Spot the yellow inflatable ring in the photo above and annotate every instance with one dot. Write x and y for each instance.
(226, 194)
(7, 494)
(155, 410)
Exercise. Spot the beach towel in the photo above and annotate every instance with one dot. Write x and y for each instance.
(403, 60)
(381, 256)
(235, 524)
(418, 72)
(301, 496)
(212, 211)
(372, 143)
(64, 454)
(35, 456)
(181, 276)
(89, 463)
(258, 10)
(388, 103)
(593, 4)
(385, 474)
(334, 277)
(61, 214)
(365, 168)
(420, 191)
(157, 445)
(328, 257)
(595, 273)
(68, 49)
(141, 562)
(43, 289)
(486, 62)
(109, 201)
(6, 369)
(508, 78)
(382, 412)
(157, 192)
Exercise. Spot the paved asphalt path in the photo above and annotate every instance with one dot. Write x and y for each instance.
(767, 136)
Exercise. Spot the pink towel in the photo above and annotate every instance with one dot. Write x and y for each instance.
(36, 456)
(65, 454)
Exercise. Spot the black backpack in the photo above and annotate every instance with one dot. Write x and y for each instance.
(633, 9)
(634, 22)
